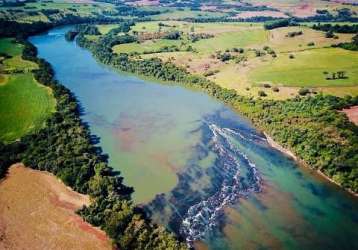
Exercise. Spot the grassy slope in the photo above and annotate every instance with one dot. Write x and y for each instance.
(152, 45)
(6, 46)
(24, 104)
(307, 68)
(281, 71)
(187, 14)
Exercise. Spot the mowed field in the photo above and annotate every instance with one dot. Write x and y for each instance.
(305, 60)
(24, 103)
(37, 211)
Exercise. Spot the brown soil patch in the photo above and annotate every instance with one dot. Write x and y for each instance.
(304, 10)
(37, 211)
(352, 114)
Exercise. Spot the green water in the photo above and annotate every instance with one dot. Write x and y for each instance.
(188, 156)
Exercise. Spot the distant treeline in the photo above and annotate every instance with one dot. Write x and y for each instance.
(66, 148)
(279, 23)
(309, 126)
(16, 29)
(337, 28)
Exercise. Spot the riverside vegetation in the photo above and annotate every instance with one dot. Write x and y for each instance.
(310, 126)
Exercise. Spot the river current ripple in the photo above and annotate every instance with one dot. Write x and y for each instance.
(203, 216)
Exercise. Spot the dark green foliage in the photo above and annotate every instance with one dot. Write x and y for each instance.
(336, 28)
(279, 23)
(294, 33)
(329, 34)
(349, 46)
(275, 89)
(87, 29)
(70, 35)
(304, 91)
(194, 37)
(173, 35)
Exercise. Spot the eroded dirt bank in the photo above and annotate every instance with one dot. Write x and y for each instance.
(37, 211)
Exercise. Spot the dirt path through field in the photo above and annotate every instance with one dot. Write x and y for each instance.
(37, 211)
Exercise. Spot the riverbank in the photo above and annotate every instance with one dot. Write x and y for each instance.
(300, 162)
(279, 147)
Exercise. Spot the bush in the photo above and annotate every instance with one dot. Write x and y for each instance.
(304, 91)
(275, 89)
(291, 56)
(262, 93)
(266, 85)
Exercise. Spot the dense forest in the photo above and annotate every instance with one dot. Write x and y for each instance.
(310, 126)
(66, 148)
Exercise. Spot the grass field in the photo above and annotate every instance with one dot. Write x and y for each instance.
(24, 106)
(229, 40)
(307, 68)
(181, 14)
(7, 46)
(248, 76)
(24, 103)
(280, 42)
(17, 63)
(150, 45)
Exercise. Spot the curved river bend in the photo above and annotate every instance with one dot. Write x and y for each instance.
(197, 167)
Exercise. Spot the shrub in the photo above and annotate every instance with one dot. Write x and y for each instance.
(304, 91)
(266, 85)
(275, 89)
(262, 93)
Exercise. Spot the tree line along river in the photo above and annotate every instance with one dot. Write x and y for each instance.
(199, 168)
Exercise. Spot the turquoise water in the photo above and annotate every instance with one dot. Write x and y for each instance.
(199, 168)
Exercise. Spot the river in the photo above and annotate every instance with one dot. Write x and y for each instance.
(197, 167)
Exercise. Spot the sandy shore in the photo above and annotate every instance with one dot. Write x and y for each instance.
(300, 162)
(280, 148)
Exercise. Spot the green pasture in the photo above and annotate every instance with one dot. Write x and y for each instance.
(8, 47)
(229, 40)
(151, 45)
(181, 14)
(308, 67)
(24, 106)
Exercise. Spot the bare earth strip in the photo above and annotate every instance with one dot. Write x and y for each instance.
(37, 211)
(352, 114)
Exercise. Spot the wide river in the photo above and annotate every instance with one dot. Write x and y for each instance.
(199, 168)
